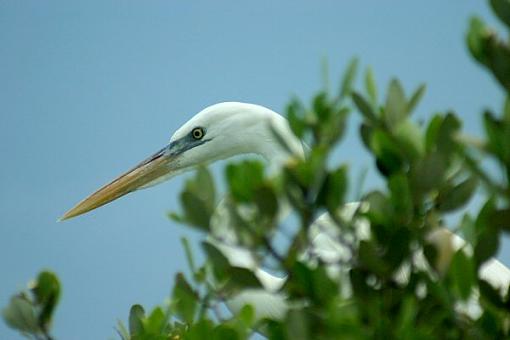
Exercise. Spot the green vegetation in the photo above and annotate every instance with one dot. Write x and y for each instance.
(430, 171)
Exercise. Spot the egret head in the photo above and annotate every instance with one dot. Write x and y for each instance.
(220, 131)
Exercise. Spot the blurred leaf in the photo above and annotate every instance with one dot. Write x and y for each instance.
(311, 283)
(295, 116)
(321, 106)
(122, 331)
(219, 261)
(297, 325)
(498, 133)
(365, 132)
(333, 189)
(224, 332)
(444, 138)
(490, 294)
(463, 273)
(185, 299)
(415, 98)
(452, 198)
(488, 237)
(47, 293)
(401, 199)
(20, 315)
(476, 39)
(371, 87)
(388, 153)
(266, 201)
(487, 49)
(432, 132)
(370, 259)
(364, 108)
(379, 207)
(500, 219)
(136, 317)
(428, 173)
(197, 213)
(410, 140)
(502, 10)
(396, 104)
(198, 200)
(247, 315)
(348, 78)
(242, 278)
(244, 178)
(155, 324)
(203, 329)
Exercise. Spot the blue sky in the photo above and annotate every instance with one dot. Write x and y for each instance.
(88, 89)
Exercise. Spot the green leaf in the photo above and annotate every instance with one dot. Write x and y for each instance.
(498, 133)
(185, 299)
(415, 98)
(21, 315)
(396, 105)
(410, 140)
(444, 139)
(371, 87)
(47, 293)
(136, 317)
(506, 110)
(201, 330)
(122, 330)
(452, 198)
(500, 219)
(502, 10)
(219, 261)
(401, 197)
(196, 210)
(348, 78)
(297, 325)
(247, 315)
(490, 294)
(295, 115)
(428, 173)
(242, 278)
(463, 274)
(244, 178)
(225, 332)
(198, 200)
(370, 258)
(432, 132)
(364, 108)
(155, 323)
(266, 201)
(476, 36)
(333, 189)
(388, 153)
(488, 236)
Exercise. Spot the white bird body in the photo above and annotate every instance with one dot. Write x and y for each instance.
(228, 129)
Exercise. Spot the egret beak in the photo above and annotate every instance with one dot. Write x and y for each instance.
(142, 175)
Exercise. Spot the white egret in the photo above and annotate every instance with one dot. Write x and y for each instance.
(227, 129)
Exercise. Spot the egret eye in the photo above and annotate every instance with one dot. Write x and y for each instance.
(197, 133)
